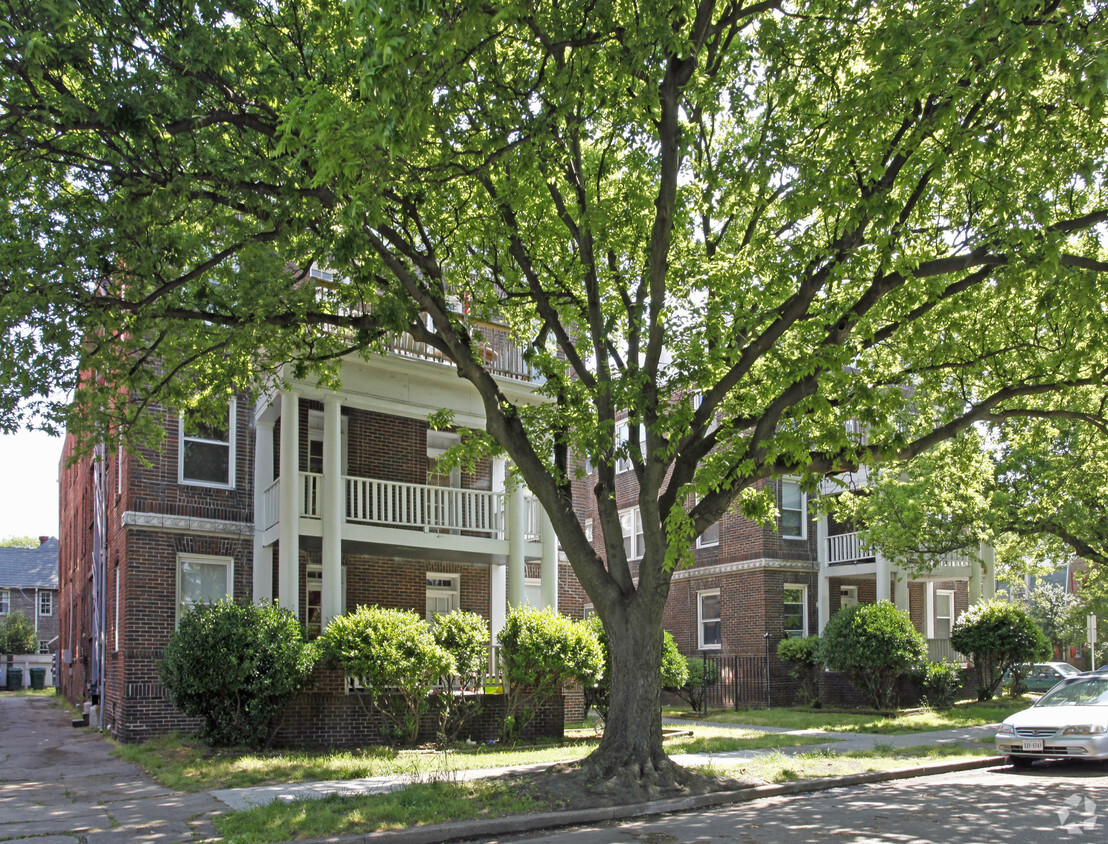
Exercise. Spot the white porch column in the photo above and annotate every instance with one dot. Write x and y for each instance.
(884, 578)
(288, 576)
(900, 590)
(988, 571)
(549, 562)
(263, 477)
(517, 530)
(823, 584)
(334, 509)
(975, 579)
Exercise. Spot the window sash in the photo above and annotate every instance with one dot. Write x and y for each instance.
(207, 455)
(709, 624)
(45, 603)
(202, 580)
(793, 511)
(5, 601)
(794, 610)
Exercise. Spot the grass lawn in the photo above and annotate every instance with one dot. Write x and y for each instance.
(964, 714)
(185, 764)
(444, 800)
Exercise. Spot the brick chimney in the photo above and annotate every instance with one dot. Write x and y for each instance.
(42, 540)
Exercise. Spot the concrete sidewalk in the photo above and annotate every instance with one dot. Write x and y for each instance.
(61, 784)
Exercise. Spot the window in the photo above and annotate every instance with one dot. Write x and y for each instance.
(794, 611)
(314, 614)
(45, 603)
(202, 580)
(710, 536)
(708, 620)
(630, 523)
(43, 646)
(944, 613)
(848, 597)
(207, 456)
(588, 529)
(794, 511)
(623, 437)
(5, 601)
(442, 594)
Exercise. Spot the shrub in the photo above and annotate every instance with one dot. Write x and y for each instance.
(940, 683)
(997, 635)
(598, 684)
(872, 644)
(541, 651)
(465, 636)
(235, 666)
(702, 673)
(394, 654)
(804, 657)
(17, 634)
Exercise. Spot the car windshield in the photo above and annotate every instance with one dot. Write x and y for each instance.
(1091, 692)
(1066, 669)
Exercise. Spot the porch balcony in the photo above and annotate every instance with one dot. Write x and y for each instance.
(940, 650)
(849, 549)
(502, 357)
(407, 519)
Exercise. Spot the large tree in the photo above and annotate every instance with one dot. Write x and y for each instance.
(744, 225)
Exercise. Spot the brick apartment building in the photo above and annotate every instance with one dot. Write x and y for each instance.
(364, 516)
(29, 584)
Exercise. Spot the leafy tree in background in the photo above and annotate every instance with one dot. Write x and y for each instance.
(1059, 614)
(872, 644)
(801, 214)
(20, 542)
(17, 634)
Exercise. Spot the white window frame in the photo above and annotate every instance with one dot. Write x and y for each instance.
(931, 609)
(623, 437)
(803, 587)
(313, 582)
(630, 518)
(701, 620)
(232, 418)
(43, 646)
(803, 510)
(701, 542)
(454, 592)
(850, 593)
(5, 601)
(205, 559)
(45, 597)
(588, 530)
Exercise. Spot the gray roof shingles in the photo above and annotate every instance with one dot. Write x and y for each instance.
(29, 568)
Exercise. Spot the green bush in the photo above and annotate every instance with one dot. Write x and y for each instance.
(17, 634)
(465, 636)
(872, 644)
(541, 651)
(940, 683)
(236, 666)
(598, 684)
(997, 635)
(803, 655)
(701, 674)
(397, 659)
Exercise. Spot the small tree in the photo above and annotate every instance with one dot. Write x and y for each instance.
(940, 683)
(804, 657)
(541, 651)
(598, 685)
(702, 673)
(394, 654)
(236, 666)
(872, 644)
(997, 634)
(17, 634)
(465, 636)
(1059, 614)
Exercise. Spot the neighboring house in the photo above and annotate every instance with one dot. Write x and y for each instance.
(29, 583)
(319, 500)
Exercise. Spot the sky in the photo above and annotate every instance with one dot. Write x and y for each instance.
(29, 489)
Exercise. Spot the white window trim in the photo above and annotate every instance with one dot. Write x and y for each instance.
(454, 592)
(232, 417)
(931, 608)
(228, 562)
(588, 530)
(803, 510)
(701, 543)
(700, 621)
(636, 525)
(623, 437)
(5, 601)
(803, 587)
(45, 595)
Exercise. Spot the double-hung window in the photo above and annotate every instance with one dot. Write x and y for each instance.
(45, 603)
(630, 523)
(794, 511)
(207, 453)
(794, 610)
(443, 594)
(5, 601)
(708, 623)
(202, 580)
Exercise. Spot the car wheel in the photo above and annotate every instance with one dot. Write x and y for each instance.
(1020, 761)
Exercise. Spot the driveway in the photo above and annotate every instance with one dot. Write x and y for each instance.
(61, 784)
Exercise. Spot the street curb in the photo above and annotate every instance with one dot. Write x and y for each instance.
(467, 830)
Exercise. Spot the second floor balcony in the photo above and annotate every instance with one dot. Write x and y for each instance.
(850, 549)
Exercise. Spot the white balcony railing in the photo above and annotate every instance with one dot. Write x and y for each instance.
(501, 356)
(940, 650)
(533, 531)
(271, 505)
(845, 548)
(430, 508)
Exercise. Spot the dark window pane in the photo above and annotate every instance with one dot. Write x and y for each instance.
(206, 462)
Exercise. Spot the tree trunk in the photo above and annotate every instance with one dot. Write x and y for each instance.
(630, 754)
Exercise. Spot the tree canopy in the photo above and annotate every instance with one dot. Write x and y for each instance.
(755, 229)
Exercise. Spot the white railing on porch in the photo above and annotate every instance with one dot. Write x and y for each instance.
(533, 531)
(846, 548)
(501, 356)
(940, 650)
(271, 505)
(430, 508)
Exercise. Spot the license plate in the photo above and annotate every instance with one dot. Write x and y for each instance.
(1033, 744)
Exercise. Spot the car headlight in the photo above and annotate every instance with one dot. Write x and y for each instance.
(1006, 730)
(1085, 730)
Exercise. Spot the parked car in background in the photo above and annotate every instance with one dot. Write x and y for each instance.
(1043, 676)
(1070, 721)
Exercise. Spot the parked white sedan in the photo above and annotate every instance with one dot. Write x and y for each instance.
(1069, 721)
